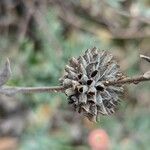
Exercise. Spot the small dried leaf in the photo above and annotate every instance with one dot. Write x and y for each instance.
(102, 109)
(147, 58)
(107, 59)
(93, 109)
(90, 67)
(99, 99)
(83, 61)
(67, 83)
(75, 84)
(84, 79)
(74, 62)
(110, 111)
(5, 73)
(103, 54)
(91, 117)
(82, 98)
(69, 92)
(147, 75)
(110, 69)
(116, 89)
(86, 107)
(112, 104)
(90, 55)
(106, 94)
(82, 69)
(94, 50)
(68, 68)
(113, 94)
(72, 75)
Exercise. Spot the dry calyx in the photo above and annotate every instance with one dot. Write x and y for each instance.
(84, 83)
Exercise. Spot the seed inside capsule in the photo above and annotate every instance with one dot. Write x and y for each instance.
(79, 76)
(89, 82)
(94, 73)
(100, 88)
(80, 89)
(91, 93)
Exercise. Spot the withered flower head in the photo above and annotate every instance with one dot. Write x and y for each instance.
(84, 83)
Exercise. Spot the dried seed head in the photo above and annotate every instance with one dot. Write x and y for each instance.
(83, 81)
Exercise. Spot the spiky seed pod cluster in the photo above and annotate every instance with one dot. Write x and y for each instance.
(84, 83)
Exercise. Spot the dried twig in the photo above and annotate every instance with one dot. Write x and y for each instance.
(8, 90)
(5, 74)
(134, 80)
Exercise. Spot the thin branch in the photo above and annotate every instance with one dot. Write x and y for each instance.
(5, 73)
(27, 90)
(8, 90)
(134, 80)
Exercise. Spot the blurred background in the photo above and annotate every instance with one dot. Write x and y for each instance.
(39, 37)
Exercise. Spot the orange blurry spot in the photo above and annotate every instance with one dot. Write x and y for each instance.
(98, 139)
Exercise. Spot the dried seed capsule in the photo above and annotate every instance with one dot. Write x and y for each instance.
(84, 82)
